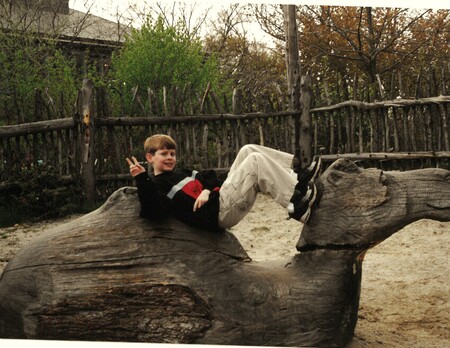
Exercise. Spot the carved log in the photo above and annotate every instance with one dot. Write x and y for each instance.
(360, 208)
(111, 276)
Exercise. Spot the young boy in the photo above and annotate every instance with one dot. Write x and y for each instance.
(201, 199)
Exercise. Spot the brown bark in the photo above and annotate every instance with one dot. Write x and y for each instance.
(36, 127)
(305, 123)
(386, 155)
(360, 208)
(382, 104)
(87, 143)
(110, 275)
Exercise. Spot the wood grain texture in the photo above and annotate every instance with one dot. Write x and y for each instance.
(112, 276)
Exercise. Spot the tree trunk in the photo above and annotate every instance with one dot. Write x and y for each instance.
(112, 276)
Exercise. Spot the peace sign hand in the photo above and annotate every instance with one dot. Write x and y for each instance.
(135, 168)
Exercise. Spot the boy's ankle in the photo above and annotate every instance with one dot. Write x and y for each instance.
(310, 173)
(301, 204)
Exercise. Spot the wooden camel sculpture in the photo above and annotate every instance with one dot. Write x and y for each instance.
(112, 276)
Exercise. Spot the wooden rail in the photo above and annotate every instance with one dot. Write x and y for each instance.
(386, 156)
(397, 103)
(36, 127)
(143, 121)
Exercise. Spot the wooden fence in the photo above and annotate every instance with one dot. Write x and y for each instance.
(390, 126)
(93, 149)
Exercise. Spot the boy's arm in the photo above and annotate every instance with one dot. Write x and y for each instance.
(211, 183)
(202, 199)
(153, 206)
(209, 179)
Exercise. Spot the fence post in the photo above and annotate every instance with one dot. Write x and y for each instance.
(293, 70)
(87, 141)
(305, 122)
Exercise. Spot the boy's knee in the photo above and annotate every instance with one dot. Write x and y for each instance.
(255, 159)
(248, 149)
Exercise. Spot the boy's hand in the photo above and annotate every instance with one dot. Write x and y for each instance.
(135, 168)
(202, 199)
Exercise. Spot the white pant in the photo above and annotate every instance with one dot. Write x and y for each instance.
(255, 169)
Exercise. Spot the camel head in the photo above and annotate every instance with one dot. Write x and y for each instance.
(359, 208)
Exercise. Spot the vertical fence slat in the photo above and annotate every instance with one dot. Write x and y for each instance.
(412, 128)
(2, 159)
(360, 132)
(114, 147)
(10, 155)
(445, 128)
(195, 141)
(340, 142)
(60, 151)
(332, 132)
(205, 145)
(387, 132)
(185, 130)
(372, 131)
(406, 134)
(428, 128)
(395, 130)
(224, 130)
(36, 147)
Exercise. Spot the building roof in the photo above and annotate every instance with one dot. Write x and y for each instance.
(72, 26)
(88, 26)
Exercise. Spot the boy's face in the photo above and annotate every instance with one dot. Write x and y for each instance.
(163, 160)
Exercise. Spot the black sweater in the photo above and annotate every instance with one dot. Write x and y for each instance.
(174, 193)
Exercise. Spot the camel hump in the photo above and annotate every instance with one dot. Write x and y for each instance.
(113, 262)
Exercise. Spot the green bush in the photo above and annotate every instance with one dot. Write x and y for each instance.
(158, 56)
(30, 65)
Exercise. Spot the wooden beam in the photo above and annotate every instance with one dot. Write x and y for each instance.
(140, 121)
(386, 156)
(383, 104)
(36, 127)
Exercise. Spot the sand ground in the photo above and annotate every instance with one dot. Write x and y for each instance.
(405, 288)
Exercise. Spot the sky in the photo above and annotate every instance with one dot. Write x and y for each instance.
(104, 6)
(110, 8)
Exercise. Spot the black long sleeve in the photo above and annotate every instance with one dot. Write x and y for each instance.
(209, 179)
(154, 204)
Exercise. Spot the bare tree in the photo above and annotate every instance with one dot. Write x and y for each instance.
(189, 16)
(270, 19)
(363, 35)
(363, 40)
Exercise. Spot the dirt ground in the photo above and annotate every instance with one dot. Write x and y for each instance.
(405, 288)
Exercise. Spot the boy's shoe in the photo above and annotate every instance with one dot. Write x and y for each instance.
(301, 204)
(306, 175)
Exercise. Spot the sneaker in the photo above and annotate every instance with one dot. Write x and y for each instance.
(301, 204)
(306, 175)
